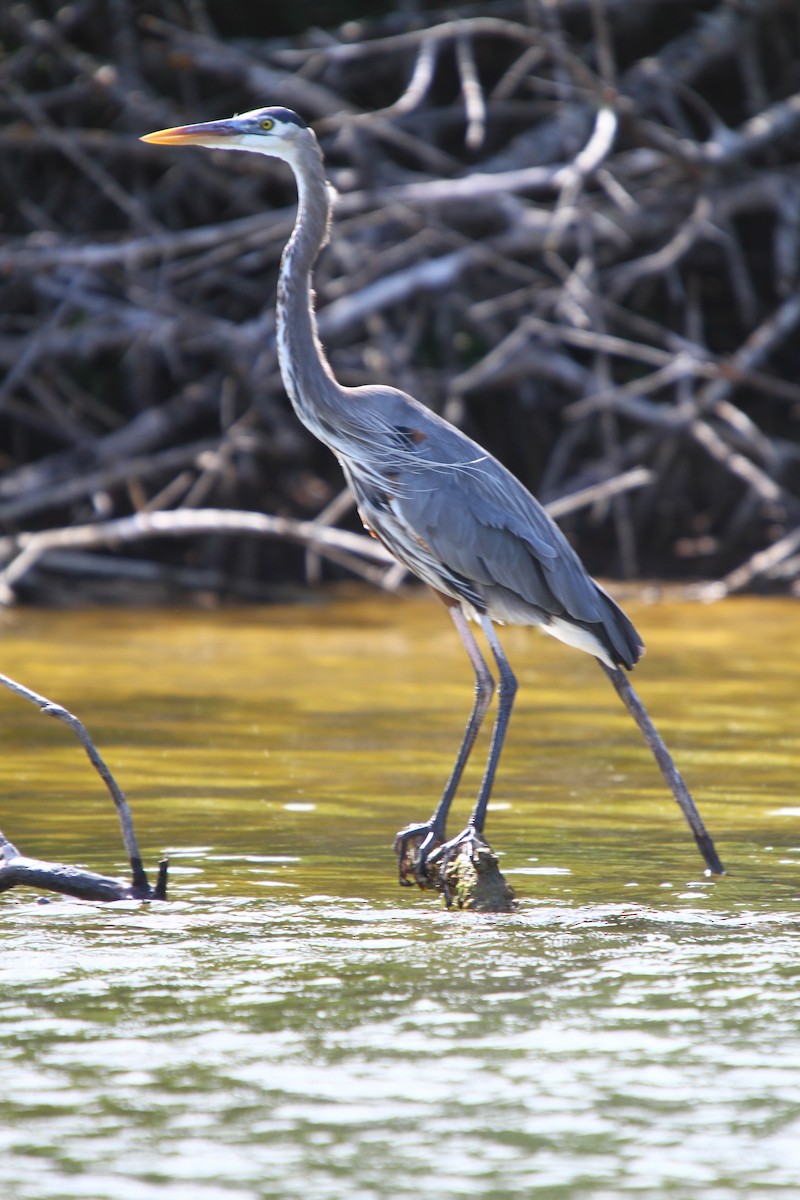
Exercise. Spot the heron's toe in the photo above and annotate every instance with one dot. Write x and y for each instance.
(413, 846)
(469, 842)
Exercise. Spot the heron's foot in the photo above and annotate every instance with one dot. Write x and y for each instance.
(468, 842)
(466, 871)
(413, 847)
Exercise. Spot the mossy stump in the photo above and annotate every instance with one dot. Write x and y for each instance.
(470, 879)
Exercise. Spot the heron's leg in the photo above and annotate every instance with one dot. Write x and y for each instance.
(668, 769)
(432, 832)
(507, 690)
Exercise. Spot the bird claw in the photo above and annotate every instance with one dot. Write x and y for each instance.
(413, 847)
(464, 870)
(423, 857)
(469, 842)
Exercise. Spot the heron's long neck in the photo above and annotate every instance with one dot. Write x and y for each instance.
(315, 395)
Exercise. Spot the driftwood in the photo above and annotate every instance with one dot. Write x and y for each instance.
(17, 869)
(572, 228)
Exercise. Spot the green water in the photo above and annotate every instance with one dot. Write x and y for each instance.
(293, 1024)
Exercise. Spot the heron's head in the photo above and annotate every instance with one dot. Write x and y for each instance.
(273, 131)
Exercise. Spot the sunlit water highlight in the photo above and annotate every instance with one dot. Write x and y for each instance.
(292, 1024)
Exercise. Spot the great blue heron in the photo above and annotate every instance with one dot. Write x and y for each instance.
(441, 504)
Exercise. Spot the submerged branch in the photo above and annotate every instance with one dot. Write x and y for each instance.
(72, 881)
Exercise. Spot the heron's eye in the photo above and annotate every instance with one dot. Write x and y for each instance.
(267, 124)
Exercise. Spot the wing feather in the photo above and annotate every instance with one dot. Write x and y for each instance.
(463, 523)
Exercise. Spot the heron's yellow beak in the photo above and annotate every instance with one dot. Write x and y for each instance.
(206, 134)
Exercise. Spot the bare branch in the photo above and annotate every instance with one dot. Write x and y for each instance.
(472, 92)
(30, 547)
(86, 885)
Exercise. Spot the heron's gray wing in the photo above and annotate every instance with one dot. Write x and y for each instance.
(520, 564)
(484, 525)
(460, 521)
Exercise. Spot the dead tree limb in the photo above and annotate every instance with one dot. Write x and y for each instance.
(30, 547)
(18, 869)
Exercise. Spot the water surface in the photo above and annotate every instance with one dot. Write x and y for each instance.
(292, 1024)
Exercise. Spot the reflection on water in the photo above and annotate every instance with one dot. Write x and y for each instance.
(292, 1024)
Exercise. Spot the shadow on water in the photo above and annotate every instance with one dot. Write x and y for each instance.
(292, 1024)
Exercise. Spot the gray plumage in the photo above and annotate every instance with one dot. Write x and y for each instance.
(438, 501)
(441, 504)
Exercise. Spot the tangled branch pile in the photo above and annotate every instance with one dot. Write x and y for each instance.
(571, 227)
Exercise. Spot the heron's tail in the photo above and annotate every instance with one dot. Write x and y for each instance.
(618, 634)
